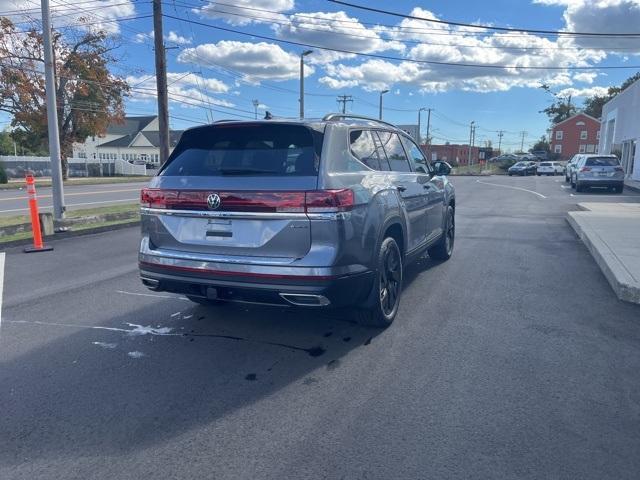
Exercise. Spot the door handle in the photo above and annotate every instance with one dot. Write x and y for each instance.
(401, 188)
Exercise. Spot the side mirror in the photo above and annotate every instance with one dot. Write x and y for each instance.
(442, 168)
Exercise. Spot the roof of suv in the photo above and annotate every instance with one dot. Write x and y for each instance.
(316, 123)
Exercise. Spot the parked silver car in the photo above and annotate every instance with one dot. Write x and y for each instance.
(312, 213)
(569, 169)
(598, 171)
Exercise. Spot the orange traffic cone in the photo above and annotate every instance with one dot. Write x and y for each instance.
(38, 244)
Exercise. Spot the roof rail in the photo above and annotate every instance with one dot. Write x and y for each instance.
(336, 116)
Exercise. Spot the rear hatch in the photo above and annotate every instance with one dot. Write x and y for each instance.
(602, 168)
(236, 189)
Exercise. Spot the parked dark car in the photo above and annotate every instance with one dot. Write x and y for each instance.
(311, 213)
(523, 168)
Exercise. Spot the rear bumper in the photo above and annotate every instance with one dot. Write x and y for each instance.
(249, 279)
(274, 289)
(600, 182)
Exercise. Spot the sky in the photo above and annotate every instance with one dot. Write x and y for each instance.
(225, 56)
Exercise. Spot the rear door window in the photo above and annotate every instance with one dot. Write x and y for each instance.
(276, 149)
(416, 157)
(602, 162)
(392, 145)
(364, 148)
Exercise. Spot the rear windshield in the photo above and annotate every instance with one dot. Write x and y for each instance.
(276, 149)
(545, 164)
(602, 162)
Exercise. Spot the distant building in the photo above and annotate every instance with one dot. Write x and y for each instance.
(577, 134)
(620, 130)
(453, 153)
(137, 139)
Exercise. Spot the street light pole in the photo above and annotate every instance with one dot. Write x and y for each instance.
(470, 138)
(52, 115)
(302, 55)
(420, 110)
(256, 104)
(380, 106)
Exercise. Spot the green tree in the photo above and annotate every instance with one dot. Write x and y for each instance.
(88, 96)
(6, 143)
(541, 145)
(561, 108)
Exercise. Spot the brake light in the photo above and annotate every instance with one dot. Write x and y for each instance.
(322, 201)
(585, 169)
(316, 201)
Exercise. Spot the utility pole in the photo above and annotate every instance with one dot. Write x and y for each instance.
(161, 81)
(428, 126)
(523, 133)
(380, 104)
(470, 139)
(302, 55)
(256, 104)
(500, 135)
(52, 115)
(343, 99)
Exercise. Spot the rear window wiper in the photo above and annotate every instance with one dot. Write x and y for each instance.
(245, 171)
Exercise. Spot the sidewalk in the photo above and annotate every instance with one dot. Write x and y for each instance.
(611, 232)
(632, 184)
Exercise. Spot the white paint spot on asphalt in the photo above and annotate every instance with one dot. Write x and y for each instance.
(148, 330)
(512, 188)
(155, 295)
(136, 354)
(1, 283)
(565, 186)
(137, 330)
(110, 346)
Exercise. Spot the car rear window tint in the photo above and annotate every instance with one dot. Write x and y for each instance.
(545, 164)
(602, 162)
(277, 149)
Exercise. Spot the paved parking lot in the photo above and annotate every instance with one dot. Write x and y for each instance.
(512, 360)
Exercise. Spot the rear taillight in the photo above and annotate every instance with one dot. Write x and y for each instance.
(619, 169)
(323, 201)
(585, 169)
(316, 201)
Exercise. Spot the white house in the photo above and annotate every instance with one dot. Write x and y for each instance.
(620, 129)
(137, 139)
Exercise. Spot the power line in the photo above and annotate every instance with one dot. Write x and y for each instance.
(484, 27)
(344, 99)
(409, 60)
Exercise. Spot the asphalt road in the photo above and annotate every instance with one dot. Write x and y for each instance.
(513, 360)
(14, 202)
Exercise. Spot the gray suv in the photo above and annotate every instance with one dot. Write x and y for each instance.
(312, 213)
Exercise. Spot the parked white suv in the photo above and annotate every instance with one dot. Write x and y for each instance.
(549, 168)
(602, 171)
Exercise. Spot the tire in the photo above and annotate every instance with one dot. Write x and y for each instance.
(381, 307)
(566, 179)
(573, 184)
(205, 301)
(579, 188)
(510, 174)
(444, 248)
(619, 189)
(539, 174)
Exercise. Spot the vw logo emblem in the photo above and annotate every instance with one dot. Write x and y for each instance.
(213, 201)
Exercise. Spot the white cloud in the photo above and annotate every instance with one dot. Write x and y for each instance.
(173, 37)
(444, 44)
(244, 12)
(184, 88)
(257, 61)
(585, 77)
(601, 16)
(95, 17)
(334, 30)
(583, 92)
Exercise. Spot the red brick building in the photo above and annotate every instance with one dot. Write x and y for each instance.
(577, 134)
(451, 153)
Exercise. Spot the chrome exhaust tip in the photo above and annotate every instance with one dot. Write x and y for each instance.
(151, 283)
(305, 299)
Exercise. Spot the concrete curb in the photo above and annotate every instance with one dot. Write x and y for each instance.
(632, 187)
(70, 233)
(624, 285)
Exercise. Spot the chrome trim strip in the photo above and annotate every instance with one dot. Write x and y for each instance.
(322, 300)
(232, 215)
